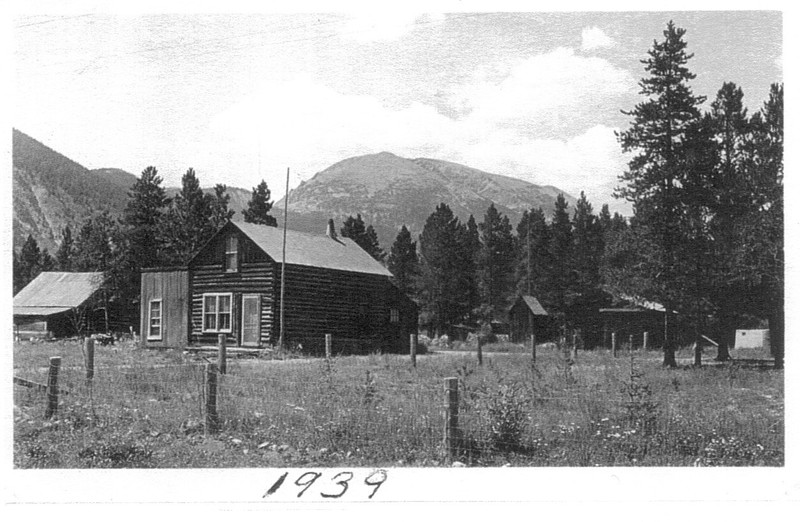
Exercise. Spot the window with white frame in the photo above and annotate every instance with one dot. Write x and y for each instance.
(154, 320)
(216, 312)
(394, 315)
(232, 254)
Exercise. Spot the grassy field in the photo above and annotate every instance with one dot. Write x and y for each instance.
(145, 408)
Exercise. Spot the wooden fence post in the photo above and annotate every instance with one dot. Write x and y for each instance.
(630, 343)
(698, 355)
(212, 418)
(480, 350)
(533, 348)
(450, 416)
(222, 358)
(328, 345)
(52, 387)
(644, 341)
(413, 350)
(613, 344)
(88, 346)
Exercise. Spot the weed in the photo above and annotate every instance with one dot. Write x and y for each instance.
(507, 414)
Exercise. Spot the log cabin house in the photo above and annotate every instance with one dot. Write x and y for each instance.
(232, 286)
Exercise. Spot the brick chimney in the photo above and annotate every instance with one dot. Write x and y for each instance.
(331, 232)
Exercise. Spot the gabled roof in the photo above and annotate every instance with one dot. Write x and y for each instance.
(316, 250)
(54, 292)
(532, 303)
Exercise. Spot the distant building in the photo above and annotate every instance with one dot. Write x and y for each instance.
(634, 317)
(527, 316)
(232, 286)
(60, 304)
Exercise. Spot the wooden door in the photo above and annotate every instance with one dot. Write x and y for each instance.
(251, 320)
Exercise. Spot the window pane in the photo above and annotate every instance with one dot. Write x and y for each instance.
(210, 322)
(224, 303)
(211, 304)
(224, 321)
(230, 262)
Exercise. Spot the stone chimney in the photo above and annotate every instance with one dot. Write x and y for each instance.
(331, 232)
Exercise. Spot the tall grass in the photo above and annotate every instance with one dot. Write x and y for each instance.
(379, 411)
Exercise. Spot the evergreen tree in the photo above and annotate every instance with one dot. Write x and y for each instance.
(65, 251)
(95, 244)
(560, 285)
(142, 219)
(471, 251)
(443, 282)
(403, 261)
(218, 203)
(604, 220)
(652, 182)
(759, 260)
(46, 262)
(533, 258)
(259, 206)
(364, 236)
(188, 224)
(495, 262)
(29, 261)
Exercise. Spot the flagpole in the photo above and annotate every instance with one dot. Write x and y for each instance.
(283, 260)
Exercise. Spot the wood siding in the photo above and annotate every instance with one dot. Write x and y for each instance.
(353, 307)
(254, 276)
(172, 288)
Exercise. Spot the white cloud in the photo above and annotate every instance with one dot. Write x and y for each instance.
(309, 127)
(550, 94)
(594, 38)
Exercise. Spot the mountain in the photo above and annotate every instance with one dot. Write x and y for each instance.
(389, 191)
(51, 191)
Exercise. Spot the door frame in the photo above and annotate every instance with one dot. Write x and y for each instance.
(257, 297)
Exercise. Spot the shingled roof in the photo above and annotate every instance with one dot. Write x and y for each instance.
(316, 250)
(54, 292)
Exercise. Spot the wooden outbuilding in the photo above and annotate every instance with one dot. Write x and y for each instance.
(232, 286)
(634, 317)
(61, 304)
(527, 316)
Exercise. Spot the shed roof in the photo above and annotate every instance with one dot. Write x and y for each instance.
(318, 250)
(533, 304)
(55, 292)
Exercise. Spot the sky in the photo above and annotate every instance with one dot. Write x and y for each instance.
(240, 98)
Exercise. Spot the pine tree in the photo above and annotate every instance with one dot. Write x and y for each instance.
(259, 206)
(218, 202)
(29, 261)
(561, 282)
(403, 261)
(443, 281)
(533, 257)
(364, 236)
(471, 252)
(657, 137)
(65, 251)
(95, 244)
(188, 224)
(495, 262)
(142, 219)
(759, 260)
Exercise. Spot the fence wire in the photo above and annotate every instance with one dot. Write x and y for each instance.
(381, 410)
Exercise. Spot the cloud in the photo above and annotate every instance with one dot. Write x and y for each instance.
(594, 38)
(309, 126)
(545, 95)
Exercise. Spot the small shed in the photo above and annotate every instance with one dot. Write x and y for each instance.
(526, 317)
(60, 304)
(634, 317)
(165, 300)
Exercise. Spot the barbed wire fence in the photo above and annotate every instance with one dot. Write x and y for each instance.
(386, 409)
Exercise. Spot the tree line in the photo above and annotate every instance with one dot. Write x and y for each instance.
(705, 239)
